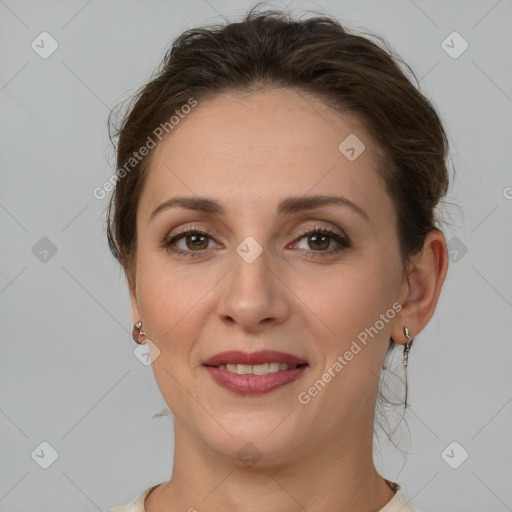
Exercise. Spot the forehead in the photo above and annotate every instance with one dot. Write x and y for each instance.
(260, 147)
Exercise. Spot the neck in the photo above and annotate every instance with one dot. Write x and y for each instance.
(341, 477)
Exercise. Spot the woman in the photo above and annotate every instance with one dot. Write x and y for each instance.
(274, 216)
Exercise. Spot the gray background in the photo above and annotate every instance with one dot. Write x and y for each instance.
(68, 374)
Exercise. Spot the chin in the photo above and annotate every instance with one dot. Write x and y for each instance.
(257, 444)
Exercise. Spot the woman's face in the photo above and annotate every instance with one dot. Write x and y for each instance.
(254, 280)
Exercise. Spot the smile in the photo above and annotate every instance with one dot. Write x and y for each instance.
(254, 373)
(257, 369)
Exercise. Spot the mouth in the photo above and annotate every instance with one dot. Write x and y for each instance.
(254, 372)
(257, 369)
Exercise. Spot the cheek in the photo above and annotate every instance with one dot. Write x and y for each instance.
(174, 307)
(353, 335)
(354, 303)
(349, 299)
(174, 303)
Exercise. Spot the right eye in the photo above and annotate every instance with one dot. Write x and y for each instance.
(194, 241)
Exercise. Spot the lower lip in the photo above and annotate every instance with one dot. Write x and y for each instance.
(254, 384)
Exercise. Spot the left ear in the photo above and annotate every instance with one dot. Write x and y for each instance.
(420, 291)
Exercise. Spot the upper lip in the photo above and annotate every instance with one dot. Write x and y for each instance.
(257, 357)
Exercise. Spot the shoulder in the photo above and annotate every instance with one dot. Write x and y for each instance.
(137, 503)
(399, 503)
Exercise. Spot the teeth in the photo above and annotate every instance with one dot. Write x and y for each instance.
(257, 369)
(260, 369)
(273, 367)
(243, 369)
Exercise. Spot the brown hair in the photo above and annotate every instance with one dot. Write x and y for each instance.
(316, 55)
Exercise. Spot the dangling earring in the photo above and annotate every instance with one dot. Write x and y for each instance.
(137, 333)
(407, 348)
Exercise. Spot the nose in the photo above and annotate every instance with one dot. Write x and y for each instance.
(253, 295)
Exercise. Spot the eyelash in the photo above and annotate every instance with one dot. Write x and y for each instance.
(342, 240)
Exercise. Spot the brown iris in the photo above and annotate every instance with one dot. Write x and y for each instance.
(326, 238)
(196, 241)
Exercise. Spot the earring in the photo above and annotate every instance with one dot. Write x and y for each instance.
(407, 348)
(137, 333)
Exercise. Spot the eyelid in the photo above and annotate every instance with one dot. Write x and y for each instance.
(299, 230)
(186, 230)
(190, 227)
(304, 229)
(342, 240)
(307, 228)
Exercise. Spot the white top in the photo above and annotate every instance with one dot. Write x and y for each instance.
(398, 503)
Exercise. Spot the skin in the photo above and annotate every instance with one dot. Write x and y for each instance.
(249, 152)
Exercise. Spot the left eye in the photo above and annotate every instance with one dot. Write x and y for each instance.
(320, 241)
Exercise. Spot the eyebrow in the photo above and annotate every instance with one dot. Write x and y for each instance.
(286, 206)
